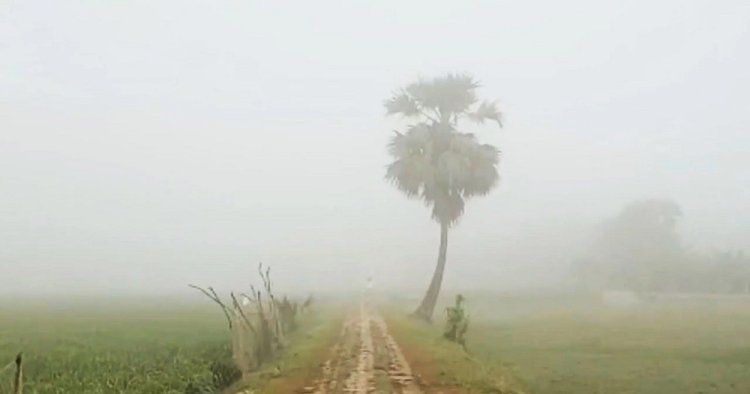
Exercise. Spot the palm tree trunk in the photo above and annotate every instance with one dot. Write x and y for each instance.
(427, 306)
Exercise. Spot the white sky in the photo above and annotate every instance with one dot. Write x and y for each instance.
(148, 144)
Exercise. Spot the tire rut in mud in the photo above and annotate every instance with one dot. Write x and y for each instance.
(366, 359)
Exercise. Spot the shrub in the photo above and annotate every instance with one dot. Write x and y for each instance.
(457, 322)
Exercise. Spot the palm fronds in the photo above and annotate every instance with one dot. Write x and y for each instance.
(434, 161)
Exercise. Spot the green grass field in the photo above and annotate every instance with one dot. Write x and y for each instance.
(142, 346)
(565, 344)
(111, 347)
(540, 344)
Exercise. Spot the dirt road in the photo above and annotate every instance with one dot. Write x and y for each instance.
(366, 359)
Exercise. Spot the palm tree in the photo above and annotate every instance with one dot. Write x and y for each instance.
(435, 162)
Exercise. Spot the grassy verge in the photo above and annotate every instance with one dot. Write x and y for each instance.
(300, 363)
(444, 366)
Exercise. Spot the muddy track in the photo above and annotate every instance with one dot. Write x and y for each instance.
(366, 359)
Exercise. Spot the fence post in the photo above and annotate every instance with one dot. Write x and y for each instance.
(18, 381)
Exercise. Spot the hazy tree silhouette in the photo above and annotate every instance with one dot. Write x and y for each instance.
(639, 249)
(435, 162)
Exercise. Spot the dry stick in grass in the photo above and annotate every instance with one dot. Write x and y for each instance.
(259, 353)
(279, 328)
(266, 335)
(272, 305)
(242, 360)
(228, 313)
(238, 308)
(269, 330)
(215, 298)
(18, 381)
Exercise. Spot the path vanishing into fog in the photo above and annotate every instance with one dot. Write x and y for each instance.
(365, 359)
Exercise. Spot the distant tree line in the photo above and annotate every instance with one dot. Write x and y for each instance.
(640, 250)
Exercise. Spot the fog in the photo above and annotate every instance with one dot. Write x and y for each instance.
(147, 145)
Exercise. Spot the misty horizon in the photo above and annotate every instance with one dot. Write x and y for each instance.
(188, 147)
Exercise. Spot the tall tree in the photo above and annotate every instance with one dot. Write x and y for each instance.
(435, 162)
